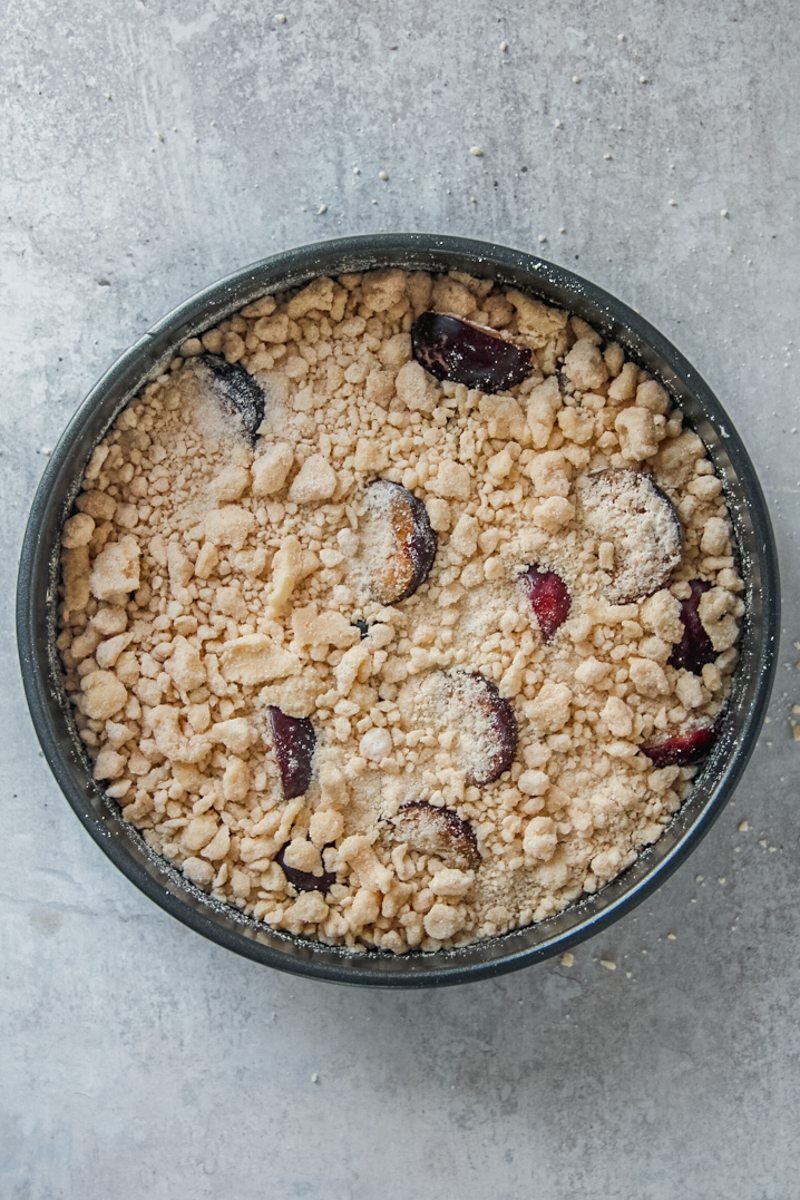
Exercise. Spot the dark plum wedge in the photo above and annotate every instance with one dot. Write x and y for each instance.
(440, 832)
(470, 704)
(450, 348)
(496, 745)
(626, 508)
(694, 649)
(238, 391)
(682, 749)
(304, 881)
(399, 542)
(549, 598)
(294, 740)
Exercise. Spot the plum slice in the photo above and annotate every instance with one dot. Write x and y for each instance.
(549, 598)
(694, 649)
(469, 704)
(682, 749)
(437, 831)
(294, 740)
(626, 508)
(489, 727)
(399, 542)
(304, 881)
(238, 393)
(450, 348)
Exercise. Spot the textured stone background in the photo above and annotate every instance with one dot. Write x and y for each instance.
(154, 145)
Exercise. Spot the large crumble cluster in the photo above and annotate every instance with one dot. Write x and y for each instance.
(209, 579)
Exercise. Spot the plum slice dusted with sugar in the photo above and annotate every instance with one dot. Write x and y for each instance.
(469, 704)
(439, 832)
(400, 545)
(627, 509)
(305, 881)
(294, 740)
(488, 727)
(450, 348)
(238, 393)
(682, 749)
(694, 649)
(549, 598)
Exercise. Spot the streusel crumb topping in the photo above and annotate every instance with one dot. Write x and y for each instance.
(398, 611)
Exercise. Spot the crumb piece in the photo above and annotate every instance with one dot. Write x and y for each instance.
(287, 566)
(77, 531)
(116, 569)
(584, 366)
(103, 695)
(540, 840)
(271, 469)
(254, 659)
(314, 482)
(184, 665)
(230, 525)
(416, 388)
(198, 871)
(551, 709)
(452, 481)
(637, 434)
(443, 921)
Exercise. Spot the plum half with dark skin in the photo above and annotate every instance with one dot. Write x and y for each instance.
(239, 393)
(449, 348)
(498, 744)
(400, 544)
(694, 649)
(294, 740)
(682, 749)
(549, 598)
(630, 511)
(469, 704)
(304, 881)
(439, 832)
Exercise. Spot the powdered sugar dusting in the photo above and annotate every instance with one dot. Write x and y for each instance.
(626, 510)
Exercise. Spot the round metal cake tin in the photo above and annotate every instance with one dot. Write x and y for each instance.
(37, 594)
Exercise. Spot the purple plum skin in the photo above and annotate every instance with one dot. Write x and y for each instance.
(449, 348)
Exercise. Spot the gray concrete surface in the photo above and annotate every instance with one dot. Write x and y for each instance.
(149, 147)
